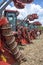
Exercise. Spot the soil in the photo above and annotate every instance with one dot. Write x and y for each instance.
(33, 52)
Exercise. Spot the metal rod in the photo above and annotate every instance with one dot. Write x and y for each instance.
(2, 2)
(4, 6)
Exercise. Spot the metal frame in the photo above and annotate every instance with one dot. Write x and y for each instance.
(3, 5)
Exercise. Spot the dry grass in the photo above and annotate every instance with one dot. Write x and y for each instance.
(34, 52)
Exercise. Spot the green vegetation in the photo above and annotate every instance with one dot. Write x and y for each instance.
(40, 27)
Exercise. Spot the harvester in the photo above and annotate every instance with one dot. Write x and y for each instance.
(9, 52)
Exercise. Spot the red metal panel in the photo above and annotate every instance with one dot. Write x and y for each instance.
(3, 63)
(3, 21)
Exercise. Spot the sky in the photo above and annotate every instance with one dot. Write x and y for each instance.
(35, 7)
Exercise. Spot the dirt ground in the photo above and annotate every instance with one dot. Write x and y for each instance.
(33, 52)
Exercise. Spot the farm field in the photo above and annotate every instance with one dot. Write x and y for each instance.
(33, 52)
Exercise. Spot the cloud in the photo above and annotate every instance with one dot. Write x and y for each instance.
(29, 9)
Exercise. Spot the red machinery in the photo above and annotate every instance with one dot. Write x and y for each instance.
(12, 18)
(19, 5)
(26, 1)
(8, 51)
(23, 36)
(7, 55)
(37, 23)
(30, 26)
(32, 17)
(35, 16)
(4, 52)
(8, 45)
(3, 63)
(20, 37)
